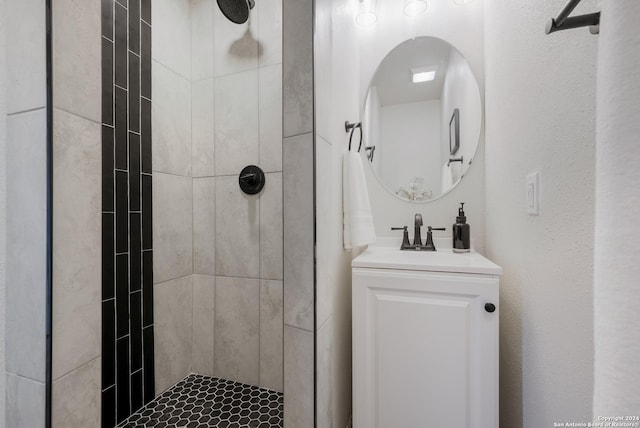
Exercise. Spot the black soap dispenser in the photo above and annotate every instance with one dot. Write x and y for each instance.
(461, 233)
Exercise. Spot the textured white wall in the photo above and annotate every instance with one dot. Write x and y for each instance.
(416, 128)
(371, 127)
(540, 116)
(460, 91)
(336, 100)
(617, 239)
(444, 20)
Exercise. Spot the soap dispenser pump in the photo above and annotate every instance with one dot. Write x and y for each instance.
(461, 233)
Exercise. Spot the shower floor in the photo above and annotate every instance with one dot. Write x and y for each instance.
(202, 401)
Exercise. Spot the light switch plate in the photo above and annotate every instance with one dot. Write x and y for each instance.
(533, 193)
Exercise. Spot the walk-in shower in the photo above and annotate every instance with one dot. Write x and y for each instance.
(192, 263)
(176, 298)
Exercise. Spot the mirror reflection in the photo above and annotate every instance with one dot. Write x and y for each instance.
(422, 119)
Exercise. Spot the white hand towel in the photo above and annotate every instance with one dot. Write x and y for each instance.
(357, 218)
(447, 178)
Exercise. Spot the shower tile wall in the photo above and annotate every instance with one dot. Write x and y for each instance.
(299, 215)
(247, 88)
(173, 203)
(77, 213)
(194, 72)
(24, 268)
(262, 225)
(127, 254)
(217, 107)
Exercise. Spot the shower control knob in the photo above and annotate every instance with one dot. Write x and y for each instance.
(251, 180)
(490, 307)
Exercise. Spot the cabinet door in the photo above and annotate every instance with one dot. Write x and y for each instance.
(425, 350)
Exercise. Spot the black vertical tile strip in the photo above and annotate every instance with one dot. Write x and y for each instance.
(123, 380)
(137, 398)
(135, 306)
(107, 19)
(148, 367)
(107, 81)
(147, 288)
(135, 253)
(107, 168)
(121, 128)
(122, 295)
(134, 26)
(134, 92)
(122, 212)
(108, 343)
(109, 407)
(145, 10)
(134, 172)
(128, 378)
(147, 215)
(108, 255)
(121, 48)
(145, 60)
(145, 135)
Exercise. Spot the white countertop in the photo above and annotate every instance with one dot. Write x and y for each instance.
(442, 260)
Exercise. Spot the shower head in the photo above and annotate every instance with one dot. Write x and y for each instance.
(236, 11)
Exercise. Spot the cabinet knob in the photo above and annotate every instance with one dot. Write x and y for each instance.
(490, 307)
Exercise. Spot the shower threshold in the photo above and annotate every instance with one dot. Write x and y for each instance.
(203, 401)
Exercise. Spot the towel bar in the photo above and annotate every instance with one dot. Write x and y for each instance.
(564, 22)
(460, 159)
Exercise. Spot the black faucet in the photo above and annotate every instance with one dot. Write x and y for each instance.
(417, 239)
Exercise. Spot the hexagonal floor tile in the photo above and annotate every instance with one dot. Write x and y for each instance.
(208, 402)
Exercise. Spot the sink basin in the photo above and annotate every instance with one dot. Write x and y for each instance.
(443, 260)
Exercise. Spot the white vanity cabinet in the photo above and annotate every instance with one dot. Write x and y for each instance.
(425, 340)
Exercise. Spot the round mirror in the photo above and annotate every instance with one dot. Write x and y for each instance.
(422, 119)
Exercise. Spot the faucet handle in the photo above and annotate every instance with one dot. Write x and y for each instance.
(429, 246)
(405, 237)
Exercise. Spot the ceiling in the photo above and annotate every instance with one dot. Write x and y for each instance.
(393, 77)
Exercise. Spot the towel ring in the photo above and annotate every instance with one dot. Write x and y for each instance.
(352, 126)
